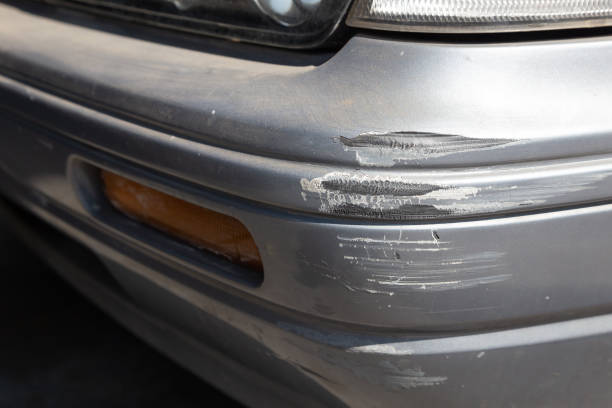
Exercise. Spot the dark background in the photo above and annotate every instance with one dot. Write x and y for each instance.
(58, 350)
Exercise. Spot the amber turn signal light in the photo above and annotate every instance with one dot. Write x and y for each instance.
(198, 226)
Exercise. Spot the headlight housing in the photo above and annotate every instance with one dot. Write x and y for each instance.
(287, 23)
(473, 16)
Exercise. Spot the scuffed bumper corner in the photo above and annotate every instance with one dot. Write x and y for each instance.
(437, 234)
(269, 357)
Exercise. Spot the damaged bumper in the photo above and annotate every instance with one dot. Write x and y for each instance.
(401, 206)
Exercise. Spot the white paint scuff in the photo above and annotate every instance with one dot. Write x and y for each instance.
(381, 200)
(392, 196)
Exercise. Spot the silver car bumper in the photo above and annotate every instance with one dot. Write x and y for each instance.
(431, 217)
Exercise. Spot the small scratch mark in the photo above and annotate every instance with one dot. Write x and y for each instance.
(446, 285)
(353, 288)
(368, 240)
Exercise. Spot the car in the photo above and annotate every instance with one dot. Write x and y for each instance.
(328, 203)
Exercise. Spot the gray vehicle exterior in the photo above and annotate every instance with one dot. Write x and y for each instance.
(433, 217)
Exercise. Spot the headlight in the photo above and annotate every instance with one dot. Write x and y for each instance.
(288, 23)
(468, 16)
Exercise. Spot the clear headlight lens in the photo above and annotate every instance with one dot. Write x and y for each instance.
(289, 13)
(467, 16)
(289, 23)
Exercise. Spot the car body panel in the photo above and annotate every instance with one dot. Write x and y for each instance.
(433, 218)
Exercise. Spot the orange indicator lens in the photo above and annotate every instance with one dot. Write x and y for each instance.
(200, 227)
